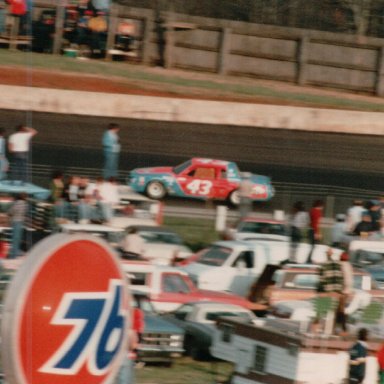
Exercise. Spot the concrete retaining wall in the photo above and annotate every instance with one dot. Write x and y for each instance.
(190, 111)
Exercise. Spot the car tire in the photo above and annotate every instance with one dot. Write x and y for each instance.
(155, 190)
(234, 198)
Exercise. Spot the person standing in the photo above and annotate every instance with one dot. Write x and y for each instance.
(245, 193)
(331, 284)
(354, 214)
(314, 233)
(17, 213)
(299, 223)
(358, 355)
(111, 147)
(18, 145)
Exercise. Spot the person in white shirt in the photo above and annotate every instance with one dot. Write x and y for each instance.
(354, 215)
(18, 146)
(132, 244)
(108, 198)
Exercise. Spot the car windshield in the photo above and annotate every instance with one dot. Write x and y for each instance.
(213, 316)
(143, 303)
(368, 257)
(174, 283)
(264, 228)
(180, 168)
(215, 256)
(161, 237)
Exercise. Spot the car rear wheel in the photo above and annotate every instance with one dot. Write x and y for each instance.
(234, 198)
(155, 190)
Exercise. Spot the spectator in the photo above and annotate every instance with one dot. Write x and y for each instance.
(132, 245)
(109, 198)
(245, 193)
(364, 228)
(339, 230)
(299, 224)
(354, 214)
(331, 282)
(111, 148)
(17, 213)
(56, 187)
(18, 145)
(347, 292)
(358, 355)
(71, 195)
(374, 207)
(3, 158)
(314, 233)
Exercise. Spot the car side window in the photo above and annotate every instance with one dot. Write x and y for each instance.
(306, 281)
(204, 173)
(173, 283)
(245, 260)
(183, 312)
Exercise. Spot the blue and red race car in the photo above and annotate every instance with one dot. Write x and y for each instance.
(199, 178)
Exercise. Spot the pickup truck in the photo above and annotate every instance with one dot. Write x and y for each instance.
(168, 287)
(234, 265)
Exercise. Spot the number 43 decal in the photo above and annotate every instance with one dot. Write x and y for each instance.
(200, 187)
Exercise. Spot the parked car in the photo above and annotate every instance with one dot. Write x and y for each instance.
(168, 287)
(162, 245)
(161, 340)
(198, 319)
(254, 228)
(198, 178)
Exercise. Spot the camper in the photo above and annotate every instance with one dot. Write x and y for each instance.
(281, 351)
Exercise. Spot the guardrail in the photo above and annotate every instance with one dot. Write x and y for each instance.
(337, 199)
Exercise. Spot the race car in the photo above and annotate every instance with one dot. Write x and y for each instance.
(199, 178)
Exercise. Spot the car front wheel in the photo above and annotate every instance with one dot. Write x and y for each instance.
(155, 190)
(234, 198)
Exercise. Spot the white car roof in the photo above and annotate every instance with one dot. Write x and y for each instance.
(74, 227)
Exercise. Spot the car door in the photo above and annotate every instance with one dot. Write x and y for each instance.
(244, 274)
(198, 181)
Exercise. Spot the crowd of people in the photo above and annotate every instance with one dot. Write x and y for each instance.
(361, 220)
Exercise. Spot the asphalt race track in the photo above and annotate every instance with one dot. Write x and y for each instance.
(287, 156)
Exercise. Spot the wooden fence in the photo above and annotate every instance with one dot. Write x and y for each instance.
(300, 56)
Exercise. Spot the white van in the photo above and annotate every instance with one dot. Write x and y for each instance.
(234, 265)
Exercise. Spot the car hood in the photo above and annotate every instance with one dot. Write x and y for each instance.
(153, 170)
(154, 324)
(222, 297)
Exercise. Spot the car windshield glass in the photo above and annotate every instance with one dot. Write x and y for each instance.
(369, 257)
(160, 237)
(264, 228)
(213, 316)
(174, 283)
(143, 303)
(181, 167)
(215, 256)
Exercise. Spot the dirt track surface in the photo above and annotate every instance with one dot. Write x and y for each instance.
(56, 79)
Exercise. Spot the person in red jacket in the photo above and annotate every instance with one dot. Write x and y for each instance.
(17, 7)
(314, 233)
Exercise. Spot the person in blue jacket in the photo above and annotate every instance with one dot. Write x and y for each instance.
(111, 148)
